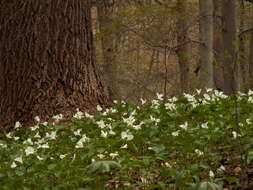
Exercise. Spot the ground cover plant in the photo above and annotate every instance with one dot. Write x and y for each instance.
(200, 142)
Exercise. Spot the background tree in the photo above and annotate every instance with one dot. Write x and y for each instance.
(230, 41)
(47, 60)
(206, 43)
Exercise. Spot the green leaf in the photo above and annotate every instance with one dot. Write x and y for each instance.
(103, 166)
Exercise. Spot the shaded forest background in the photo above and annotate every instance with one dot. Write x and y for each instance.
(138, 43)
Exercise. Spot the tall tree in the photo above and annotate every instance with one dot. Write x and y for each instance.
(206, 46)
(251, 57)
(106, 9)
(231, 68)
(47, 59)
(183, 47)
(218, 46)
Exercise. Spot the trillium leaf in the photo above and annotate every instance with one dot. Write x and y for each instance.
(103, 166)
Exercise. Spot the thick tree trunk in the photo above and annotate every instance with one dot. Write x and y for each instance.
(47, 60)
(231, 68)
(106, 10)
(206, 47)
(183, 47)
(218, 46)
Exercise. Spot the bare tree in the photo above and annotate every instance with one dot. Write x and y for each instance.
(206, 46)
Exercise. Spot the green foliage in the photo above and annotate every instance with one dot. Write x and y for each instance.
(189, 143)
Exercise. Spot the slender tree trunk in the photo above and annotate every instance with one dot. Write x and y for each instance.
(251, 58)
(47, 60)
(231, 68)
(183, 47)
(244, 64)
(218, 46)
(106, 10)
(206, 47)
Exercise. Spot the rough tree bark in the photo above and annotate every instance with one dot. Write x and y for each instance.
(183, 47)
(206, 47)
(231, 68)
(251, 57)
(46, 60)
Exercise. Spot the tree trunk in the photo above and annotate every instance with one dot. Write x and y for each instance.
(106, 10)
(206, 47)
(231, 68)
(251, 58)
(218, 46)
(47, 60)
(183, 47)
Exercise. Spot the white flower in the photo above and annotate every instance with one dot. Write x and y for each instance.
(115, 101)
(104, 134)
(19, 159)
(199, 152)
(211, 174)
(137, 127)
(113, 155)
(250, 99)
(234, 134)
(248, 121)
(124, 146)
(167, 165)
(204, 125)
(78, 132)
(28, 141)
(13, 165)
(16, 138)
(221, 169)
(101, 156)
(39, 158)
(184, 126)
(143, 101)
(45, 123)
(198, 91)
(29, 150)
(157, 120)
(62, 156)
(176, 133)
(207, 97)
(58, 117)
(129, 121)
(250, 92)
(111, 132)
(79, 144)
(78, 114)
(99, 108)
(34, 128)
(17, 125)
(88, 115)
(189, 97)
(159, 96)
(170, 106)
(37, 135)
(44, 146)
(8, 135)
(3, 145)
(101, 124)
(127, 135)
(51, 135)
(37, 118)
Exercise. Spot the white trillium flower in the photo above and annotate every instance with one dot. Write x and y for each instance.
(221, 169)
(124, 146)
(99, 108)
(143, 101)
(62, 156)
(101, 124)
(159, 96)
(51, 135)
(175, 134)
(113, 155)
(234, 134)
(78, 132)
(250, 92)
(170, 106)
(44, 146)
(29, 150)
(39, 158)
(37, 118)
(101, 156)
(37, 135)
(34, 128)
(111, 132)
(19, 159)
(79, 144)
(104, 134)
(184, 126)
(8, 135)
(16, 138)
(211, 174)
(13, 165)
(78, 114)
(17, 125)
(127, 135)
(204, 125)
(58, 117)
(199, 152)
(248, 121)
